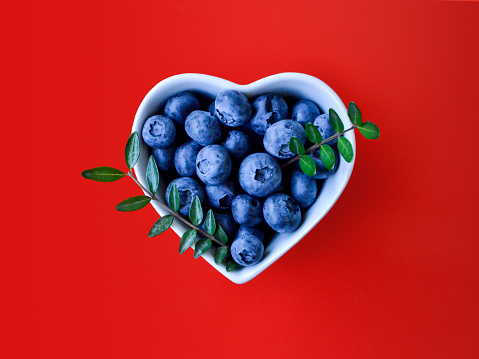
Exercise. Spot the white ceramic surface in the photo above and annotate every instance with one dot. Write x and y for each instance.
(285, 84)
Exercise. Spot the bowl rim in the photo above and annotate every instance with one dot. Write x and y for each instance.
(182, 80)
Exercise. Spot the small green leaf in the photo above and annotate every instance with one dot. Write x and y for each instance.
(296, 146)
(220, 234)
(369, 130)
(327, 156)
(202, 246)
(133, 203)
(230, 264)
(132, 150)
(345, 149)
(210, 223)
(161, 225)
(312, 133)
(196, 212)
(187, 240)
(307, 165)
(103, 174)
(335, 121)
(220, 254)
(174, 198)
(152, 176)
(354, 114)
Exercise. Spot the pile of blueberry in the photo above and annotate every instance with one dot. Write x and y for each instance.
(230, 156)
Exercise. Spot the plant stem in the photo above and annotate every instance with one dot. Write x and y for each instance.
(316, 146)
(174, 214)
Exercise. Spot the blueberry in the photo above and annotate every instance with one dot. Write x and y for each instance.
(257, 232)
(247, 250)
(159, 131)
(277, 137)
(188, 188)
(282, 213)
(325, 128)
(213, 164)
(228, 224)
(259, 174)
(305, 111)
(203, 128)
(185, 158)
(221, 195)
(232, 108)
(164, 157)
(180, 106)
(247, 210)
(303, 189)
(267, 110)
(321, 171)
(211, 109)
(237, 143)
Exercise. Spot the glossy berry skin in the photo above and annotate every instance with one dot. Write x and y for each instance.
(247, 250)
(188, 188)
(321, 171)
(304, 189)
(180, 106)
(267, 110)
(282, 213)
(213, 164)
(257, 232)
(203, 128)
(228, 224)
(232, 108)
(159, 131)
(277, 137)
(305, 111)
(260, 174)
(325, 128)
(164, 157)
(185, 158)
(247, 210)
(237, 143)
(220, 196)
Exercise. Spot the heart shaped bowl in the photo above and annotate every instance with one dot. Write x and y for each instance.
(293, 86)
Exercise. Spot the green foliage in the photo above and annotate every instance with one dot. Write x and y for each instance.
(313, 134)
(133, 203)
(103, 174)
(202, 246)
(369, 130)
(132, 150)
(335, 121)
(220, 254)
(152, 175)
(220, 234)
(187, 240)
(307, 165)
(210, 223)
(174, 198)
(161, 225)
(196, 212)
(296, 146)
(345, 149)
(327, 156)
(230, 264)
(354, 114)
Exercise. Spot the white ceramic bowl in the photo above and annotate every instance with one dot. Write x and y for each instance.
(294, 85)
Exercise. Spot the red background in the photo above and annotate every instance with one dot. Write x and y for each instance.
(390, 272)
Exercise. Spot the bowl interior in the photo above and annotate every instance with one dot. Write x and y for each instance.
(289, 85)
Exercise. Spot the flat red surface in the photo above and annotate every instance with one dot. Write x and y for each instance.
(390, 272)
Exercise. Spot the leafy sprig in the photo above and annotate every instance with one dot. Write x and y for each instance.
(368, 129)
(212, 233)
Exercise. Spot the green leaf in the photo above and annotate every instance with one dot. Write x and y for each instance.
(230, 264)
(307, 165)
(132, 150)
(369, 130)
(133, 203)
(210, 223)
(335, 121)
(220, 254)
(103, 174)
(354, 114)
(327, 156)
(220, 234)
(174, 198)
(296, 146)
(187, 240)
(202, 246)
(152, 175)
(312, 133)
(345, 149)
(196, 212)
(161, 225)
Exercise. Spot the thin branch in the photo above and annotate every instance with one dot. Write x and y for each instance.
(174, 214)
